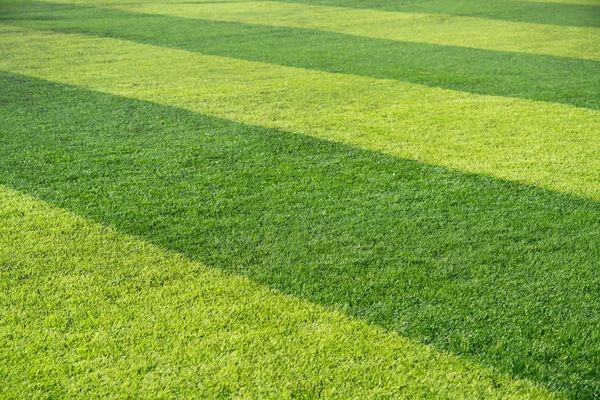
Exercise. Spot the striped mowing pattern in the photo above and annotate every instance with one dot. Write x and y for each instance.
(274, 140)
(545, 12)
(535, 77)
(245, 329)
(548, 145)
(441, 29)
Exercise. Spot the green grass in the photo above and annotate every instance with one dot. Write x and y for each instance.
(502, 274)
(87, 312)
(554, 13)
(384, 218)
(544, 144)
(441, 29)
(581, 2)
(536, 77)
(506, 10)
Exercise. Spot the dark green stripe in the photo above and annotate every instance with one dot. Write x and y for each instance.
(505, 274)
(506, 10)
(529, 76)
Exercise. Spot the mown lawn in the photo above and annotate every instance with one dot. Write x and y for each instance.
(268, 199)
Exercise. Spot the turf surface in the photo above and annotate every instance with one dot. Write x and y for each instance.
(530, 76)
(218, 167)
(583, 13)
(479, 267)
(555, 13)
(545, 144)
(87, 312)
(441, 29)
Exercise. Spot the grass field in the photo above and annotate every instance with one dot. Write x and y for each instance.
(311, 198)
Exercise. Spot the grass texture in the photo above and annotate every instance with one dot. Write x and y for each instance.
(536, 77)
(554, 13)
(440, 29)
(583, 13)
(405, 211)
(91, 313)
(549, 145)
(582, 2)
(502, 274)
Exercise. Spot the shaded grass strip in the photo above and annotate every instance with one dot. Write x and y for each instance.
(548, 145)
(440, 29)
(88, 312)
(536, 77)
(503, 274)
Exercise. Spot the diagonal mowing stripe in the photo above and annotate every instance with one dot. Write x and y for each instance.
(535, 77)
(498, 272)
(439, 29)
(88, 312)
(548, 145)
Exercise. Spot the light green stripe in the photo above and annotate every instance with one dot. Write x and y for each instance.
(438, 29)
(91, 312)
(544, 144)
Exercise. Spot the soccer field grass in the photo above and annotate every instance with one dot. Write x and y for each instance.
(318, 198)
